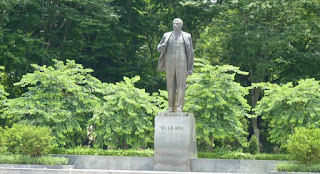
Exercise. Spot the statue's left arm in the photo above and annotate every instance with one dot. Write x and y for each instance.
(190, 57)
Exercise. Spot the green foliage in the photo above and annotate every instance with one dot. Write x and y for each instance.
(264, 156)
(276, 41)
(37, 31)
(97, 151)
(297, 167)
(25, 159)
(3, 149)
(28, 140)
(253, 145)
(3, 94)
(216, 154)
(304, 145)
(286, 107)
(273, 40)
(218, 103)
(61, 97)
(224, 154)
(125, 119)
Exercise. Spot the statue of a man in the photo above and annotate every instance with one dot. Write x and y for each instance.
(176, 59)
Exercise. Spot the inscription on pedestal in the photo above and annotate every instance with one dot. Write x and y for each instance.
(175, 141)
(172, 128)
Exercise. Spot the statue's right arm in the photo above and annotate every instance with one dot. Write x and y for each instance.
(162, 46)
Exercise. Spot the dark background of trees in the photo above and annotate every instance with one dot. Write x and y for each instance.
(274, 40)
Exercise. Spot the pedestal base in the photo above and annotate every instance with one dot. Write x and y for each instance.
(174, 142)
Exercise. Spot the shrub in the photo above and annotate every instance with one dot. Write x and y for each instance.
(263, 156)
(222, 111)
(224, 154)
(28, 140)
(26, 159)
(253, 145)
(297, 167)
(219, 153)
(237, 155)
(304, 145)
(96, 151)
(3, 149)
(61, 97)
(126, 117)
(287, 106)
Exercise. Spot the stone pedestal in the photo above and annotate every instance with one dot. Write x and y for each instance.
(174, 142)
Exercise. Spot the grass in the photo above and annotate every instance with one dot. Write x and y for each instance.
(25, 159)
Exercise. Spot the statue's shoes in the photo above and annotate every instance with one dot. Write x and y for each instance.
(179, 109)
(170, 109)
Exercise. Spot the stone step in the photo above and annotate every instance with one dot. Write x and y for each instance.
(4, 170)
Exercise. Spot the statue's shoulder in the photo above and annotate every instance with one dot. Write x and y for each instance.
(186, 34)
(167, 34)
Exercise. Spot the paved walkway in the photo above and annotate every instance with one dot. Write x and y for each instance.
(87, 171)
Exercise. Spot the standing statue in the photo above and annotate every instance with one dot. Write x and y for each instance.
(176, 59)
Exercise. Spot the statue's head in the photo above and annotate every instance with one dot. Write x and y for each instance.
(177, 24)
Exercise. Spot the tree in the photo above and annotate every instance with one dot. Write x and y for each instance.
(35, 32)
(197, 14)
(126, 117)
(61, 97)
(218, 103)
(287, 106)
(19, 42)
(3, 93)
(3, 96)
(273, 40)
(142, 26)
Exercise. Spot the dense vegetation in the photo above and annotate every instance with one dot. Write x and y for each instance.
(26, 159)
(27, 144)
(304, 148)
(63, 62)
(217, 153)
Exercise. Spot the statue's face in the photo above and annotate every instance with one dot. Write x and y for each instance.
(177, 25)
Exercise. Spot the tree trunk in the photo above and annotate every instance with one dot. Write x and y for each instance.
(2, 18)
(127, 42)
(255, 94)
(150, 46)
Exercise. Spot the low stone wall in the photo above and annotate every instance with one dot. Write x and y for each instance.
(233, 166)
(110, 162)
(146, 164)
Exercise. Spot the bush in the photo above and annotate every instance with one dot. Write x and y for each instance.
(95, 151)
(222, 111)
(264, 156)
(304, 145)
(237, 155)
(287, 106)
(126, 118)
(217, 154)
(297, 167)
(26, 159)
(28, 140)
(3, 149)
(253, 145)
